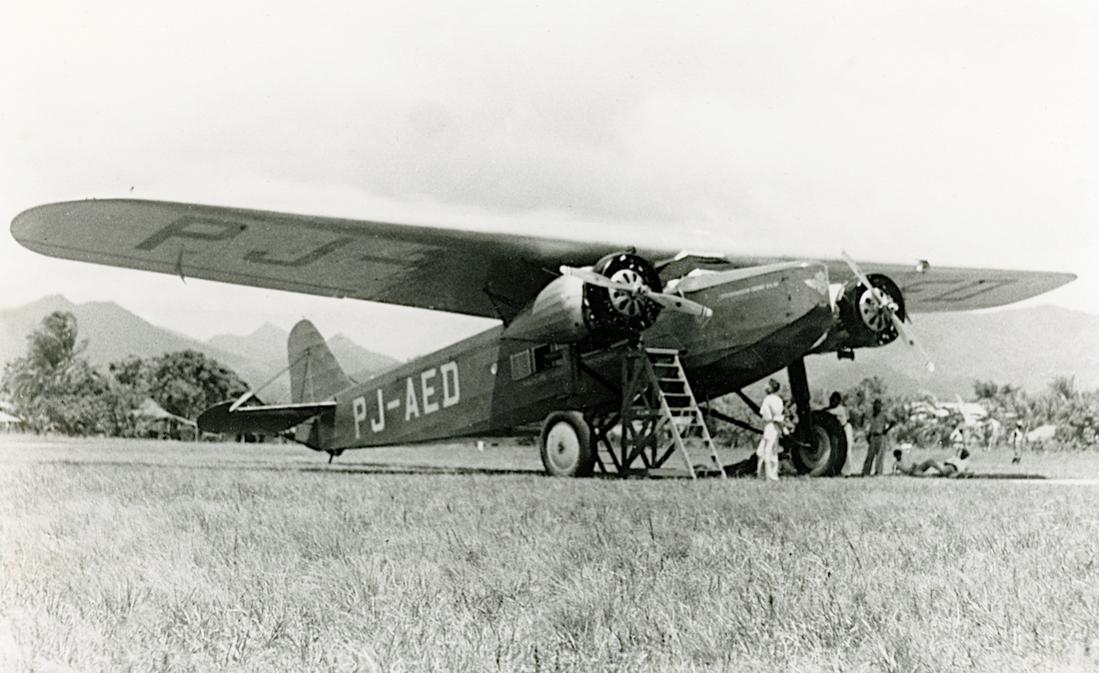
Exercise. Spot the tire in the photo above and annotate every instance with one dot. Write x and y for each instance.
(829, 451)
(566, 445)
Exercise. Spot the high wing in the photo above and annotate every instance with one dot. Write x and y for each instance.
(957, 288)
(476, 273)
(490, 275)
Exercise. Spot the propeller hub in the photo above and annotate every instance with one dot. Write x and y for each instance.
(625, 307)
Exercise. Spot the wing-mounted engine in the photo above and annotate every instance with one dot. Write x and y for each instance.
(619, 296)
(870, 312)
(862, 320)
(622, 311)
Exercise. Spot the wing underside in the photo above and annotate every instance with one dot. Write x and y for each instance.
(475, 273)
(934, 289)
(481, 274)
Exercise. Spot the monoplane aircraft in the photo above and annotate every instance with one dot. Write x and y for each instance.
(591, 336)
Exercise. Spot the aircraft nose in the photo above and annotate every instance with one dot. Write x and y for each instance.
(807, 288)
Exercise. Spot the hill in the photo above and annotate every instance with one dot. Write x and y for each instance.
(1027, 347)
(266, 344)
(114, 333)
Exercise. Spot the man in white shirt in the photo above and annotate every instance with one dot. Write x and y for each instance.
(767, 453)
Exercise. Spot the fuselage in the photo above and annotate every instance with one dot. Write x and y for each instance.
(763, 318)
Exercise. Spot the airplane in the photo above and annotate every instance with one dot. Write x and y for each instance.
(592, 338)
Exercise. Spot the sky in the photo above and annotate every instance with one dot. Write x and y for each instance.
(963, 133)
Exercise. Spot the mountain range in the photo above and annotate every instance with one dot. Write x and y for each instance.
(114, 333)
(1027, 347)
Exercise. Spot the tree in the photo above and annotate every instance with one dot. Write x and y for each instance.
(187, 382)
(1063, 387)
(48, 384)
(860, 400)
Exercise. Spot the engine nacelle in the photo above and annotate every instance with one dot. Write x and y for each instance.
(568, 309)
(858, 322)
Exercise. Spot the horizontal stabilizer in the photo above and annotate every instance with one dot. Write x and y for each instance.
(265, 419)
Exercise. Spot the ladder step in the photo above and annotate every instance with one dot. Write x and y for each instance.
(673, 407)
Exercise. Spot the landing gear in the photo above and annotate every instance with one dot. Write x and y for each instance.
(566, 445)
(826, 454)
(818, 446)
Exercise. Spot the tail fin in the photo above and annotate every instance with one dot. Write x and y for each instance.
(315, 375)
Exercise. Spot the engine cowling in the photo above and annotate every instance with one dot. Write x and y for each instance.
(859, 323)
(568, 309)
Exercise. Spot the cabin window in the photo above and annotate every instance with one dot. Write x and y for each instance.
(522, 365)
(536, 360)
(548, 356)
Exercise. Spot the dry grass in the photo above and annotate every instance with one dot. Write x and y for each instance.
(143, 556)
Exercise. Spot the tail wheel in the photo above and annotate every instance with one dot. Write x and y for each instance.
(825, 458)
(566, 445)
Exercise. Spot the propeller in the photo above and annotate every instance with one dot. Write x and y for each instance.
(889, 308)
(627, 296)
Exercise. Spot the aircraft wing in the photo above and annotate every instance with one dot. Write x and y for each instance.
(481, 274)
(476, 273)
(269, 419)
(936, 289)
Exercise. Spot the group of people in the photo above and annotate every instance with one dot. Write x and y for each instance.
(878, 427)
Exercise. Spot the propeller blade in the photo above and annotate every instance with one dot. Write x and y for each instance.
(909, 336)
(674, 302)
(592, 278)
(669, 301)
(903, 330)
(858, 273)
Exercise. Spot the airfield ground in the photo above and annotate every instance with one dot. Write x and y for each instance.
(165, 556)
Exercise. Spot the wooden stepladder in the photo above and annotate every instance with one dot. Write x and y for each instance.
(659, 416)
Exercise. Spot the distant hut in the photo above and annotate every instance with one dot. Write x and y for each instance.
(159, 423)
(1042, 434)
(10, 423)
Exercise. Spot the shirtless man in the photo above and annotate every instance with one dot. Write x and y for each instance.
(951, 467)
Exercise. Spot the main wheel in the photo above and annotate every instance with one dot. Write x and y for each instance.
(829, 451)
(566, 445)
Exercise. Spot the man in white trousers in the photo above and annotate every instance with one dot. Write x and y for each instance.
(767, 452)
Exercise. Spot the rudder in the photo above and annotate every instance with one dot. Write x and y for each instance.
(315, 375)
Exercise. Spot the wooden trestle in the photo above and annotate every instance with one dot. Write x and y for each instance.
(659, 417)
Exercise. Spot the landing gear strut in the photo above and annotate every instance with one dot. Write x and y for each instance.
(818, 445)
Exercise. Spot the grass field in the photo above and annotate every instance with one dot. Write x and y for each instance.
(144, 556)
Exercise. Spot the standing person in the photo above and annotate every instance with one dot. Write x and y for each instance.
(1017, 440)
(875, 436)
(957, 438)
(836, 408)
(767, 452)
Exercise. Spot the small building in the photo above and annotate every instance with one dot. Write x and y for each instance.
(159, 423)
(10, 423)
